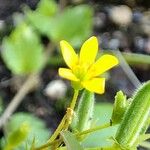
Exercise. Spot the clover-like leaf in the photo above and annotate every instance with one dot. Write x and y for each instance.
(22, 51)
(74, 24)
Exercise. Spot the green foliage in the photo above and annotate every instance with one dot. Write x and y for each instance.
(120, 106)
(22, 51)
(71, 141)
(38, 130)
(47, 7)
(41, 18)
(135, 118)
(17, 137)
(73, 24)
(102, 114)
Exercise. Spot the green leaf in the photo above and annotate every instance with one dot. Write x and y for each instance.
(22, 51)
(71, 141)
(74, 24)
(120, 106)
(38, 130)
(41, 17)
(47, 7)
(17, 137)
(102, 115)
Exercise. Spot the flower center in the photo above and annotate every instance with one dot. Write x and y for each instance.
(80, 71)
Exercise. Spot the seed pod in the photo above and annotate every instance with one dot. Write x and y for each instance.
(83, 119)
(135, 118)
(119, 108)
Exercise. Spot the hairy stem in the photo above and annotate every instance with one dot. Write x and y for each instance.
(94, 129)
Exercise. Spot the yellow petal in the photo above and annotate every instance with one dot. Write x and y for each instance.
(96, 85)
(103, 64)
(89, 51)
(69, 55)
(67, 74)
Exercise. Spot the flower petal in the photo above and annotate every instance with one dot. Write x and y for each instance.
(89, 51)
(67, 74)
(96, 85)
(103, 64)
(69, 55)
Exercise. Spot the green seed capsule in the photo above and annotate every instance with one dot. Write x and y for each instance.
(135, 118)
(84, 114)
(119, 108)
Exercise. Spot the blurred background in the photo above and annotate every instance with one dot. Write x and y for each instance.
(30, 31)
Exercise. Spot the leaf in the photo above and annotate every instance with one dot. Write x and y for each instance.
(38, 130)
(74, 25)
(41, 17)
(119, 108)
(22, 51)
(16, 137)
(47, 7)
(101, 138)
(70, 141)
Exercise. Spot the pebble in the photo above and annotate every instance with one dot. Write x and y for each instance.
(114, 44)
(145, 23)
(2, 24)
(56, 89)
(100, 20)
(104, 40)
(121, 15)
(139, 43)
(137, 16)
(147, 46)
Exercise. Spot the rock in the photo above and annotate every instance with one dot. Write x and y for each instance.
(137, 16)
(147, 46)
(8, 7)
(104, 40)
(56, 89)
(114, 44)
(139, 43)
(145, 23)
(121, 15)
(99, 20)
(2, 24)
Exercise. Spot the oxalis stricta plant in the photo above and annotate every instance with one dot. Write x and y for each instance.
(132, 116)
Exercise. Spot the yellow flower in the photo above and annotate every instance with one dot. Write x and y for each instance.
(83, 70)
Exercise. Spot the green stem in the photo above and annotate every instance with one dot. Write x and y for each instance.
(47, 145)
(74, 99)
(58, 130)
(136, 59)
(65, 122)
(94, 129)
(70, 110)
